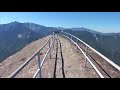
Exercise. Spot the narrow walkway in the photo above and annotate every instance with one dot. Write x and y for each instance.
(74, 62)
(66, 62)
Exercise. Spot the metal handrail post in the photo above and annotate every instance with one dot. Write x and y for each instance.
(99, 73)
(39, 62)
(77, 47)
(43, 60)
(71, 37)
(50, 50)
(53, 38)
(101, 55)
(86, 55)
(27, 61)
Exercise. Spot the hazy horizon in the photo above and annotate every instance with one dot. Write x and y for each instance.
(106, 22)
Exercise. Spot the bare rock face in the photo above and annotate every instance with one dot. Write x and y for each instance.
(10, 64)
(66, 61)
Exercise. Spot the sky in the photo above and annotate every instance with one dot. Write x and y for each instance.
(99, 21)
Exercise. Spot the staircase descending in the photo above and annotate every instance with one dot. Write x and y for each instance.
(65, 56)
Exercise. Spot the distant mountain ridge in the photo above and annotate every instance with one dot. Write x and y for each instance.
(15, 35)
(85, 29)
(108, 45)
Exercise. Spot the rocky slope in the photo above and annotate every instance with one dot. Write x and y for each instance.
(13, 62)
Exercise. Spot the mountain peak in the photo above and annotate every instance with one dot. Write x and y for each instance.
(83, 28)
(15, 22)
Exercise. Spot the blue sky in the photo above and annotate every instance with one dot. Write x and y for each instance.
(98, 21)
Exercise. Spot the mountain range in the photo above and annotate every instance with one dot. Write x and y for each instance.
(15, 35)
(108, 44)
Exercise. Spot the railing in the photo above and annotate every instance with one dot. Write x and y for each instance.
(71, 37)
(41, 63)
(37, 53)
